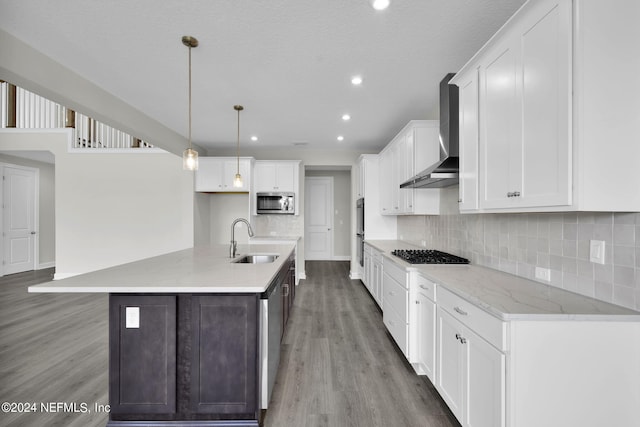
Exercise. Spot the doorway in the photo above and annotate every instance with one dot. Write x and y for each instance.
(318, 224)
(19, 196)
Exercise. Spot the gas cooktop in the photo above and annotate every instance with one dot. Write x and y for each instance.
(428, 256)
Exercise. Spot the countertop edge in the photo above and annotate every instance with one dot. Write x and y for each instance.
(77, 284)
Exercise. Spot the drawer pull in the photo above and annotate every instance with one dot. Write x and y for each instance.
(460, 311)
(424, 287)
(462, 339)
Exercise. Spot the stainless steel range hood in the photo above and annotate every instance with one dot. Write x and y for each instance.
(446, 171)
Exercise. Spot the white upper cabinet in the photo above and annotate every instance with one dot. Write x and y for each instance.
(411, 151)
(216, 174)
(525, 102)
(276, 176)
(553, 132)
(468, 135)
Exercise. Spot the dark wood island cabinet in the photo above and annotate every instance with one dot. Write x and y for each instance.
(187, 359)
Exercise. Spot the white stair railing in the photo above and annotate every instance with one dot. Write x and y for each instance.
(35, 112)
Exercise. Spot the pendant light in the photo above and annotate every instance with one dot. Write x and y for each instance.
(237, 181)
(190, 156)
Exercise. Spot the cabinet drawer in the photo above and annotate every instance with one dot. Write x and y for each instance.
(487, 326)
(395, 296)
(398, 273)
(426, 287)
(398, 328)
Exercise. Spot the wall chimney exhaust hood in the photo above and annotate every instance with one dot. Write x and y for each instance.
(445, 172)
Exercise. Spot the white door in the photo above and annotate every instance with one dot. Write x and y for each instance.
(318, 221)
(18, 219)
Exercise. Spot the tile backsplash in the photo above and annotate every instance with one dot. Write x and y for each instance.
(517, 243)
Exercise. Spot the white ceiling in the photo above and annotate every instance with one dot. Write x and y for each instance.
(288, 62)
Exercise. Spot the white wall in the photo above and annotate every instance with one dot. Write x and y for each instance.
(46, 203)
(112, 208)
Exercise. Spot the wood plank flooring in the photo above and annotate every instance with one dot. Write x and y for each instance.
(53, 348)
(338, 367)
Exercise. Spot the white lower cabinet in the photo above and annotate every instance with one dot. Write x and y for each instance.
(422, 326)
(531, 370)
(373, 273)
(471, 374)
(395, 304)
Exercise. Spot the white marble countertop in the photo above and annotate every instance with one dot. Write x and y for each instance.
(206, 269)
(507, 296)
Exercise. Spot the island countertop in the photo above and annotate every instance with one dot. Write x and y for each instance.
(206, 269)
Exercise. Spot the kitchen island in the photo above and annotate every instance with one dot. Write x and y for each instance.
(189, 334)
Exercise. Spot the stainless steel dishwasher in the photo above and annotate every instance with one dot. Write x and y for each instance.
(270, 332)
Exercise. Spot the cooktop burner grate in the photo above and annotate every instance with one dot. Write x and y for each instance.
(428, 256)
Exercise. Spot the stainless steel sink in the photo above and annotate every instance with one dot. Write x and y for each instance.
(255, 259)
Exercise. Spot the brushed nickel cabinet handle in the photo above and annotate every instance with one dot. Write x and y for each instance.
(460, 311)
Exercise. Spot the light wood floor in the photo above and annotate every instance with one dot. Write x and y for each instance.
(338, 367)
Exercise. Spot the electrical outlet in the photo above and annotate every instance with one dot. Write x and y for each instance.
(596, 251)
(543, 274)
(132, 317)
(423, 243)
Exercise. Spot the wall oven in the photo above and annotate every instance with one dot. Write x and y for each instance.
(275, 203)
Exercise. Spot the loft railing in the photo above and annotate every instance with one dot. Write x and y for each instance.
(22, 109)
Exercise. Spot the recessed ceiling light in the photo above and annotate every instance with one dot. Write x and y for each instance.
(341, 138)
(254, 138)
(356, 80)
(380, 4)
(346, 117)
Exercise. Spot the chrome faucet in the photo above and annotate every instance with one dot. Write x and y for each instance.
(234, 244)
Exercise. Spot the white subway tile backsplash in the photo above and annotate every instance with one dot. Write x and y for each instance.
(517, 243)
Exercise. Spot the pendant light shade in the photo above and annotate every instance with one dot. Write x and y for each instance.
(190, 156)
(237, 181)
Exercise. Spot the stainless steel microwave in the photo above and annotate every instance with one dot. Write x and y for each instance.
(275, 203)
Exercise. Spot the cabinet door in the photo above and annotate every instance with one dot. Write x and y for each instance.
(265, 176)
(367, 269)
(451, 357)
(385, 182)
(377, 282)
(426, 335)
(500, 145)
(224, 358)
(468, 107)
(285, 177)
(408, 170)
(545, 40)
(485, 383)
(209, 175)
(142, 356)
(525, 111)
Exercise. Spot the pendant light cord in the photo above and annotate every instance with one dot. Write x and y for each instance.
(238, 145)
(189, 97)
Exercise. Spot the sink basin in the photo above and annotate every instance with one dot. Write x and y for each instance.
(256, 259)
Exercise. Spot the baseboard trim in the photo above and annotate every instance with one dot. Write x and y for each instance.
(44, 265)
(355, 275)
